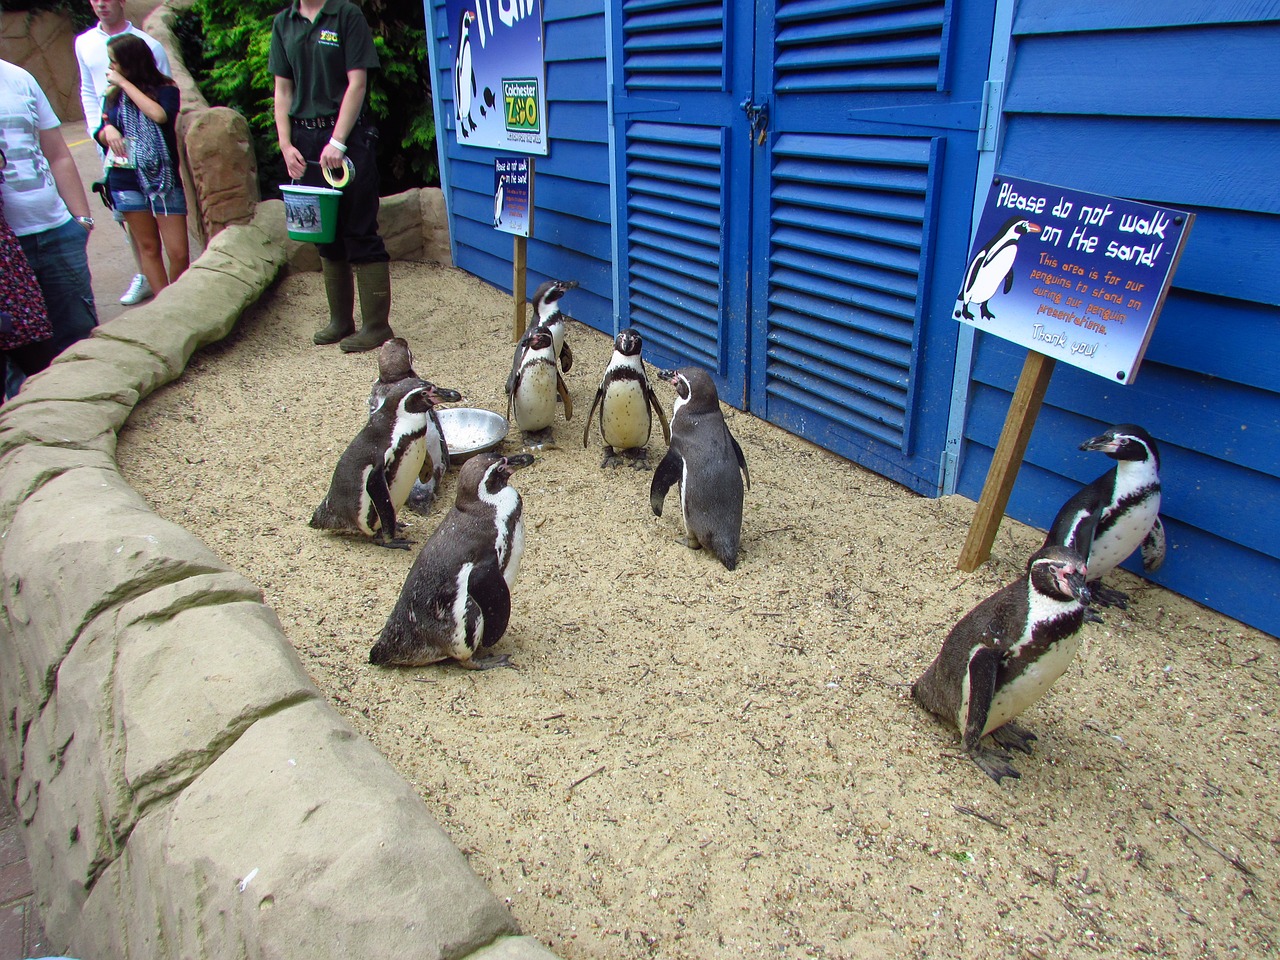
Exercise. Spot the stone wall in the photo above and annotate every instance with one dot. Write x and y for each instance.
(185, 791)
(44, 44)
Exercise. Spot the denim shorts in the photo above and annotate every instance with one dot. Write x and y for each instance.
(172, 202)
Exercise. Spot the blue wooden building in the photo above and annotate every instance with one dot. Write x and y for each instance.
(784, 191)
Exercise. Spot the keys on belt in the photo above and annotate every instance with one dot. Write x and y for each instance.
(315, 123)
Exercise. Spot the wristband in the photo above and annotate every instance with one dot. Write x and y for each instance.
(337, 145)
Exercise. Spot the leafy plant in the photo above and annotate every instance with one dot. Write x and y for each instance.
(225, 44)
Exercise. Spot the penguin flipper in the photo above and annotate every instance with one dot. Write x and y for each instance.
(1153, 548)
(668, 472)
(488, 589)
(566, 357)
(983, 667)
(656, 404)
(380, 495)
(515, 366)
(586, 428)
(742, 461)
(1008, 281)
(564, 395)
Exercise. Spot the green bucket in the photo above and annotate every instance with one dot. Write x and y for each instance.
(310, 213)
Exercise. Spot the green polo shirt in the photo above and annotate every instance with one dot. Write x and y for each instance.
(316, 56)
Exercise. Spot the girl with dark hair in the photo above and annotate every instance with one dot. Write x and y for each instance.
(139, 114)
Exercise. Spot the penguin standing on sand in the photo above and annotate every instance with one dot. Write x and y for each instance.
(395, 367)
(376, 472)
(992, 266)
(464, 77)
(456, 599)
(534, 386)
(625, 397)
(705, 460)
(1117, 513)
(1005, 654)
(546, 313)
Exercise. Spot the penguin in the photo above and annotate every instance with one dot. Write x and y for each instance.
(456, 599)
(464, 77)
(535, 384)
(1003, 656)
(395, 367)
(546, 313)
(1116, 514)
(625, 397)
(704, 459)
(498, 201)
(993, 265)
(376, 472)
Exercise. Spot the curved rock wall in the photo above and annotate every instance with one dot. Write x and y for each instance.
(185, 790)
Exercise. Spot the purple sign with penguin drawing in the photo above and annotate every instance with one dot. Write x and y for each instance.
(1076, 276)
(499, 74)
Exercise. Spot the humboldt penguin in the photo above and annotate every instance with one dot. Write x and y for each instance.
(1116, 514)
(992, 266)
(535, 384)
(625, 397)
(546, 313)
(704, 459)
(1005, 654)
(395, 367)
(456, 599)
(376, 472)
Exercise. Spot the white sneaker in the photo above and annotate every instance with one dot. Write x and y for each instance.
(138, 291)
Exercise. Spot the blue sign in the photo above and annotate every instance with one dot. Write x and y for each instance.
(499, 74)
(1076, 276)
(513, 195)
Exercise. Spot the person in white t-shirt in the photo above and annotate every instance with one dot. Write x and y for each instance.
(91, 55)
(46, 205)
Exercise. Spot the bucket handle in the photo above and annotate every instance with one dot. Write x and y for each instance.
(335, 181)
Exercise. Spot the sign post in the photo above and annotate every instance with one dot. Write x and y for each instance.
(513, 213)
(1072, 276)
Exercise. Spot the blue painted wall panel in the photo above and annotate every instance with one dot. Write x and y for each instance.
(1109, 98)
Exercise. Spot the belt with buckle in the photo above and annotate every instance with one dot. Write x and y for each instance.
(315, 123)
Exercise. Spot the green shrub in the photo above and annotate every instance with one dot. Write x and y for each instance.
(225, 45)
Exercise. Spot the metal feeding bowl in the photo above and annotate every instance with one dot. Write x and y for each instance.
(470, 430)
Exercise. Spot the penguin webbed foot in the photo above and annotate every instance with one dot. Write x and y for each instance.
(1093, 616)
(1106, 597)
(489, 662)
(394, 543)
(690, 541)
(994, 763)
(537, 439)
(984, 312)
(1014, 737)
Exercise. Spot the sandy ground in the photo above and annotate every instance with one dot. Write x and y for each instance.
(693, 763)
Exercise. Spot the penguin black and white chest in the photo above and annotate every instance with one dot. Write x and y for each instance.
(1005, 654)
(534, 387)
(464, 77)
(707, 463)
(548, 315)
(992, 266)
(376, 472)
(1118, 513)
(625, 398)
(395, 369)
(456, 599)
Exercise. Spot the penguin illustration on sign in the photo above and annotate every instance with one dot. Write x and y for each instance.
(456, 599)
(1003, 656)
(707, 463)
(625, 398)
(1116, 514)
(991, 267)
(464, 77)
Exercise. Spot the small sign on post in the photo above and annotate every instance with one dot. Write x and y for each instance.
(513, 213)
(1071, 276)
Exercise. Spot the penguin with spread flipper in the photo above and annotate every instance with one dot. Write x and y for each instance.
(625, 398)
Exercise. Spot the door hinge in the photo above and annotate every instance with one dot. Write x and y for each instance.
(989, 122)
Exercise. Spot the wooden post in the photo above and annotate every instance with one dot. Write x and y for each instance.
(1021, 419)
(518, 283)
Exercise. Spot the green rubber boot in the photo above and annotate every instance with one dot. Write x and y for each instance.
(374, 282)
(340, 291)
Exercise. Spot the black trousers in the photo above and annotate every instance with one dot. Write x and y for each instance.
(357, 239)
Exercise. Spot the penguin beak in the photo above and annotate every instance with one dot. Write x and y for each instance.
(443, 395)
(1033, 228)
(668, 375)
(517, 461)
(1078, 585)
(1105, 443)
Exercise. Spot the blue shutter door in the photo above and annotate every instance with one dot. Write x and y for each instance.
(863, 223)
(683, 180)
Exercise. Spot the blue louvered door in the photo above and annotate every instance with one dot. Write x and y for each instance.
(794, 185)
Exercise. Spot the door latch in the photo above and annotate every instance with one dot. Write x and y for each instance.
(758, 118)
